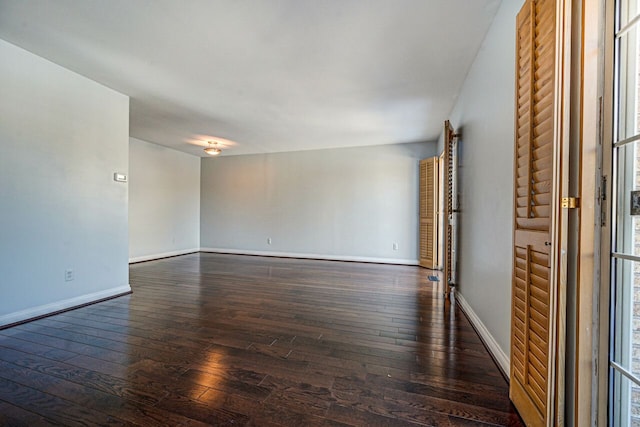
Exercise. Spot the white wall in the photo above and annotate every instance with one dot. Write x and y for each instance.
(349, 203)
(62, 137)
(164, 201)
(484, 114)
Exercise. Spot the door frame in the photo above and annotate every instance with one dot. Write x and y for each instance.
(591, 99)
(586, 271)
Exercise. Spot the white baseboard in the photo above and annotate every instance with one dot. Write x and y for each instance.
(500, 356)
(162, 255)
(313, 256)
(43, 310)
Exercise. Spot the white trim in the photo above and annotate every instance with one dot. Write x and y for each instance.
(313, 256)
(162, 255)
(43, 310)
(492, 345)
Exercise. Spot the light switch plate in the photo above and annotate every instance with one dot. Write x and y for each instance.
(119, 177)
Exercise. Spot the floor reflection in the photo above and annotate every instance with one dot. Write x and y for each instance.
(236, 340)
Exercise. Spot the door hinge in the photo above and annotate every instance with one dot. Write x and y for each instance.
(570, 202)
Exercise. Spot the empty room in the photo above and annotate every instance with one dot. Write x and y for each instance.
(331, 213)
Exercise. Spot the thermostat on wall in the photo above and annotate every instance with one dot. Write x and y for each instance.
(119, 177)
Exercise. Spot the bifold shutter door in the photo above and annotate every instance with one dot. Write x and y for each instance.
(449, 208)
(532, 321)
(428, 212)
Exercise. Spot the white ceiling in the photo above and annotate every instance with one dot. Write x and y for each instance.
(270, 75)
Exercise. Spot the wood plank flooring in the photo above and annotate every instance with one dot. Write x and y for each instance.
(211, 339)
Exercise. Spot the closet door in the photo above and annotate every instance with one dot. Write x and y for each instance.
(534, 291)
(428, 212)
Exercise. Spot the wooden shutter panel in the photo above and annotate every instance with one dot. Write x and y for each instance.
(428, 212)
(532, 322)
(449, 208)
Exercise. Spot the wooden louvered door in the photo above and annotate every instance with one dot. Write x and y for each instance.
(428, 213)
(534, 298)
(450, 208)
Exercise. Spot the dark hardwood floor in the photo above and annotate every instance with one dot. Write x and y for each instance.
(208, 339)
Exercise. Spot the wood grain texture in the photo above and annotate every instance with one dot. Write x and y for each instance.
(210, 339)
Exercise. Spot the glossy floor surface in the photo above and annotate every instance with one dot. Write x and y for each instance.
(210, 339)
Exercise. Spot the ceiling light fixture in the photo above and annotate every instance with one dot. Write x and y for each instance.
(213, 149)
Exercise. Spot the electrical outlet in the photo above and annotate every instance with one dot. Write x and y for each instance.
(395, 246)
(68, 275)
(268, 240)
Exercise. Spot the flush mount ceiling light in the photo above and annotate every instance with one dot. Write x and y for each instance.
(213, 149)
